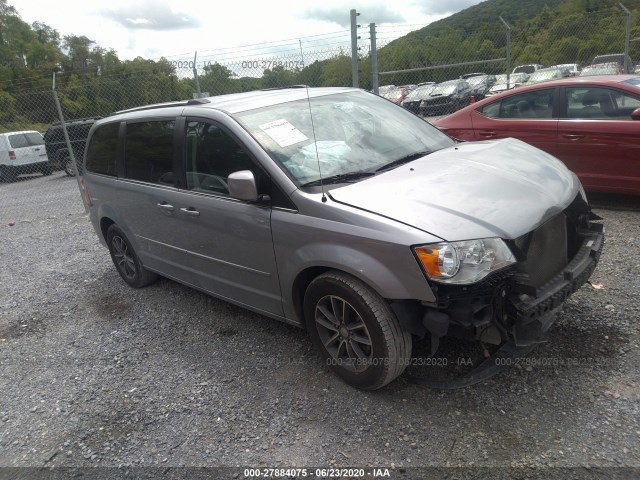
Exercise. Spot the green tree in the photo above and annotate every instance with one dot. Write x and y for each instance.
(217, 79)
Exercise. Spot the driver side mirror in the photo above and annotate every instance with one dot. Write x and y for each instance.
(635, 115)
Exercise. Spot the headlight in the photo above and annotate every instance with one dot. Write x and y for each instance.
(463, 262)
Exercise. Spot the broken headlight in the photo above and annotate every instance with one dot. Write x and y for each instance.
(463, 262)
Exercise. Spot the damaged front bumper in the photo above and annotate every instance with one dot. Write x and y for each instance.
(516, 305)
(533, 312)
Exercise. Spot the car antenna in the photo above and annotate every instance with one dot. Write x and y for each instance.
(313, 129)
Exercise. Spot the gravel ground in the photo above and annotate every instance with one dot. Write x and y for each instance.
(96, 374)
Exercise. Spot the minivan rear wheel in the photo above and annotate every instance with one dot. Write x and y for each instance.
(355, 331)
(126, 260)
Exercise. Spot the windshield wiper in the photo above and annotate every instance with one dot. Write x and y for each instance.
(340, 178)
(400, 161)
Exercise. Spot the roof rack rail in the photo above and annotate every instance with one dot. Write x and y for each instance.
(181, 103)
(282, 88)
(84, 119)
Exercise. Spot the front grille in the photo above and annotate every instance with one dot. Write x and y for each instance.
(544, 251)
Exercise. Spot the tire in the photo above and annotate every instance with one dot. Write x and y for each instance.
(364, 343)
(68, 167)
(47, 170)
(7, 175)
(126, 261)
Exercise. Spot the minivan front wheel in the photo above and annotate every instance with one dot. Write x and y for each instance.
(126, 261)
(355, 331)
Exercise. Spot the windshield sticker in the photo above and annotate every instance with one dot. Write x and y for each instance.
(283, 132)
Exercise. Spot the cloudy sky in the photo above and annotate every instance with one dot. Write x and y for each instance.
(175, 29)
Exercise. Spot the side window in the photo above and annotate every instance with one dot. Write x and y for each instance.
(211, 155)
(18, 140)
(149, 151)
(600, 103)
(102, 151)
(34, 138)
(533, 104)
(491, 110)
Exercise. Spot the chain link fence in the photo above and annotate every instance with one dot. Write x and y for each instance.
(32, 143)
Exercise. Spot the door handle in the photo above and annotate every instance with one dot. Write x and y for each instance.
(165, 206)
(192, 212)
(572, 136)
(487, 134)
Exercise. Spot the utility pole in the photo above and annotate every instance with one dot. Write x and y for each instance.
(627, 34)
(374, 59)
(354, 49)
(506, 25)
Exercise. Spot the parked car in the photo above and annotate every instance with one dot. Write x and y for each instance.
(56, 146)
(447, 97)
(574, 69)
(470, 75)
(398, 94)
(334, 209)
(384, 89)
(617, 58)
(610, 68)
(590, 123)
(545, 74)
(415, 97)
(21, 153)
(528, 69)
(480, 85)
(500, 85)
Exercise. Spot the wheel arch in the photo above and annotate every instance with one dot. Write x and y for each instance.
(405, 282)
(105, 223)
(299, 287)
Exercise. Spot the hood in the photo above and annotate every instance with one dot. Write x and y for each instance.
(503, 188)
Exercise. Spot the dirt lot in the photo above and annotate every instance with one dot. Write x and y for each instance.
(96, 374)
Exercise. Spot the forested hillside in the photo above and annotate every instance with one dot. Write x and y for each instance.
(548, 32)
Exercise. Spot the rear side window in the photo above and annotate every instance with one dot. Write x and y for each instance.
(18, 140)
(600, 103)
(149, 152)
(103, 148)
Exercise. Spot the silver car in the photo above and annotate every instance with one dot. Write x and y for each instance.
(334, 210)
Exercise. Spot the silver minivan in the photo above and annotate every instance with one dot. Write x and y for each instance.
(337, 211)
(22, 152)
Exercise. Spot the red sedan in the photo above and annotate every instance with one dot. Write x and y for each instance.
(592, 124)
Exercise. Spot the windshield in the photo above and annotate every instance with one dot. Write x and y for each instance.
(634, 82)
(420, 92)
(444, 89)
(544, 75)
(513, 78)
(353, 132)
(393, 94)
(478, 80)
(603, 69)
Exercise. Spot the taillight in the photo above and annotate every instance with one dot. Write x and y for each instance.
(85, 193)
(12, 155)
